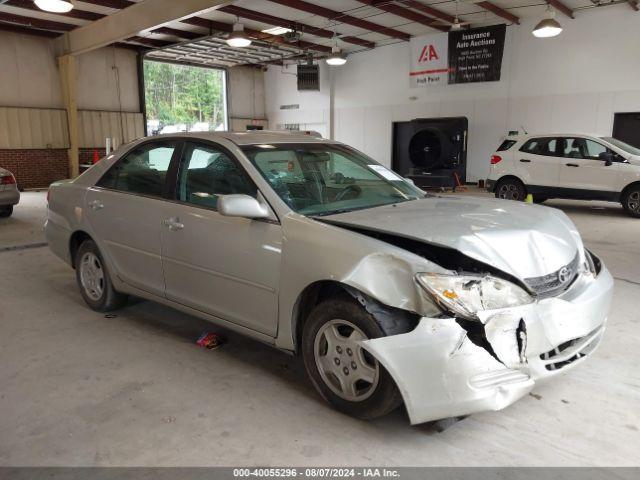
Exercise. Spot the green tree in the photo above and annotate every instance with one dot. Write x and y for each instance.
(184, 94)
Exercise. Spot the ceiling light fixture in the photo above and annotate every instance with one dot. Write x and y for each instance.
(55, 6)
(336, 58)
(456, 25)
(238, 38)
(548, 27)
(277, 30)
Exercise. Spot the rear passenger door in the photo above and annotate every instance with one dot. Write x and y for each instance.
(125, 210)
(537, 162)
(225, 266)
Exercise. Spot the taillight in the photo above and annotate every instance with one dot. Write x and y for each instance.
(495, 159)
(7, 180)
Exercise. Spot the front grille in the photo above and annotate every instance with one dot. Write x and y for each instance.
(571, 350)
(556, 282)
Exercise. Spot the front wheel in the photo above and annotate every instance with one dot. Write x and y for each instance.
(343, 372)
(94, 280)
(6, 211)
(631, 201)
(511, 189)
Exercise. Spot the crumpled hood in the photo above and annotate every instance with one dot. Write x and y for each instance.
(521, 239)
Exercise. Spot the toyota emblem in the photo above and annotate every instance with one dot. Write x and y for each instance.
(564, 275)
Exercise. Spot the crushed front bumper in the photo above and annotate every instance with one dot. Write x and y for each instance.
(446, 368)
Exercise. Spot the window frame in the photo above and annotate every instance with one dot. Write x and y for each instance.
(596, 159)
(547, 140)
(177, 153)
(178, 162)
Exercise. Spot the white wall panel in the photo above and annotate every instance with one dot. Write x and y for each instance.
(573, 82)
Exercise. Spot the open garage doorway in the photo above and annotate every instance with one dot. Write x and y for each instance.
(184, 98)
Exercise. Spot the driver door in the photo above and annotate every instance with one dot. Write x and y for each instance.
(583, 171)
(226, 266)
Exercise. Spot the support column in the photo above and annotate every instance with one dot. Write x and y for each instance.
(68, 82)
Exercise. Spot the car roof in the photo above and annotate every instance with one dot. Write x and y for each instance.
(253, 137)
(556, 134)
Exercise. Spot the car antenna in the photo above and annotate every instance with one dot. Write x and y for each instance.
(525, 132)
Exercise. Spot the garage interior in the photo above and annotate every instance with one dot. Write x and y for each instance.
(80, 388)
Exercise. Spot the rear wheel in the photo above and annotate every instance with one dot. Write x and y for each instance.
(343, 372)
(6, 211)
(94, 280)
(631, 201)
(511, 189)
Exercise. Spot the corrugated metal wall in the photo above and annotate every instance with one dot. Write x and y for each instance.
(95, 126)
(29, 128)
(42, 128)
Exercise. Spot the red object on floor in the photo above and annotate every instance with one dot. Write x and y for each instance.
(96, 157)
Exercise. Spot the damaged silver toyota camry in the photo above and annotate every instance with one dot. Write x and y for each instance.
(450, 305)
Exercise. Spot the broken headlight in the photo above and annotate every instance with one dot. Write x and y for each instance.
(466, 295)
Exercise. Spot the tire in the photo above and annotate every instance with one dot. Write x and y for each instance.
(6, 211)
(631, 201)
(335, 319)
(511, 189)
(94, 280)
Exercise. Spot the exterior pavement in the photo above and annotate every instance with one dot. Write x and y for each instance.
(78, 388)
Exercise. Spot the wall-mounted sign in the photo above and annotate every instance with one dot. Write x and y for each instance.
(464, 56)
(429, 60)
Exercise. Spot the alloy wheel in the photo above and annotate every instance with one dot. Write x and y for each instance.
(509, 191)
(92, 276)
(633, 202)
(345, 367)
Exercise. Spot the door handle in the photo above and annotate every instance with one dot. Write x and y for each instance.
(524, 160)
(95, 205)
(173, 224)
(572, 165)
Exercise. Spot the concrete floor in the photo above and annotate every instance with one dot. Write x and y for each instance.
(78, 388)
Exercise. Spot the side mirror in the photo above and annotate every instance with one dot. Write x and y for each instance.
(607, 157)
(244, 206)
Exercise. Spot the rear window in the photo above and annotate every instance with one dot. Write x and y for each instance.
(506, 145)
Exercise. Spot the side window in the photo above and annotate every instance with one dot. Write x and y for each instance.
(583, 148)
(143, 170)
(506, 145)
(533, 146)
(207, 172)
(541, 146)
(594, 149)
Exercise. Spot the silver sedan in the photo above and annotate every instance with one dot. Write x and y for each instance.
(9, 194)
(450, 305)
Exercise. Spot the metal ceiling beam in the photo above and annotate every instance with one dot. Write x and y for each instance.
(117, 4)
(434, 12)
(561, 7)
(501, 12)
(75, 13)
(8, 27)
(634, 4)
(187, 35)
(283, 22)
(402, 12)
(214, 25)
(129, 22)
(36, 22)
(343, 18)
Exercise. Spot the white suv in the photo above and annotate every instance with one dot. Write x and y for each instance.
(575, 166)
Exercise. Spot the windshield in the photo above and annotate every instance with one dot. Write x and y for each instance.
(322, 179)
(621, 145)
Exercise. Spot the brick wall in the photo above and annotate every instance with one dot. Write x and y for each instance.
(36, 168)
